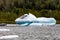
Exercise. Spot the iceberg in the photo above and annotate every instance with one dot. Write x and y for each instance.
(30, 19)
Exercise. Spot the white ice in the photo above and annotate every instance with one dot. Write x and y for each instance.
(9, 36)
(30, 17)
(4, 30)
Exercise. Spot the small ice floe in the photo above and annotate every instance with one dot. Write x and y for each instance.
(47, 36)
(9, 36)
(4, 30)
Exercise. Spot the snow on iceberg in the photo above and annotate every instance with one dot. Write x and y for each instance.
(26, 17)
(30, 19)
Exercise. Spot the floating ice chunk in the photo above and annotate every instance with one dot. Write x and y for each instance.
(4, 30)
(47, 36)
(9, 36)
(30, 19)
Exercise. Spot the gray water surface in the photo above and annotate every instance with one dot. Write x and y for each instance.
(33, 32)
